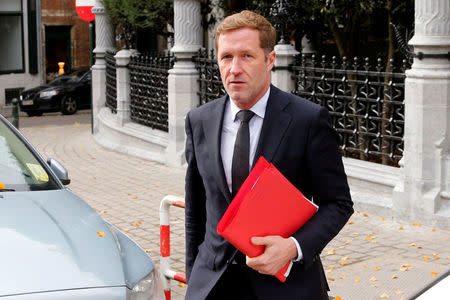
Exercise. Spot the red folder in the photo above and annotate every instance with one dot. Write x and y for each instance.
(266, 204)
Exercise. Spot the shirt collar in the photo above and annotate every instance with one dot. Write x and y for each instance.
(259, 108)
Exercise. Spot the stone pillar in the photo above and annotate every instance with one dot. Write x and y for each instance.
(104, 34)
(281, 76)
(123, 86)
(424, 189)
(183, 85)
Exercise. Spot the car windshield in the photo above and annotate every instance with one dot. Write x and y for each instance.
(19, 168)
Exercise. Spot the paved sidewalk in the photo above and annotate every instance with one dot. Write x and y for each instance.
(372, 257)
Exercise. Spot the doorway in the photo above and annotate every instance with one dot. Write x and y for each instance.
(57, 49)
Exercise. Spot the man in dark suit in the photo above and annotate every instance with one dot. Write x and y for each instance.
(257, 119)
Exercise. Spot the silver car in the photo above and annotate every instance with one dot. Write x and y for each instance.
(53, 245)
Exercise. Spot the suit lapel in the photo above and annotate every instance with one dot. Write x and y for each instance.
(213, 133)
(276, 121)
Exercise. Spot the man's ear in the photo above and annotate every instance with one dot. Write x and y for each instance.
(271, 59)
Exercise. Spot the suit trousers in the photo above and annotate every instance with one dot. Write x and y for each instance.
(233, 284)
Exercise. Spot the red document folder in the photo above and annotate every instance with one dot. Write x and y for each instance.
(266, 204)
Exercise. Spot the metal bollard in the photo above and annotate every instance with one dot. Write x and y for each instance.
(15, 113)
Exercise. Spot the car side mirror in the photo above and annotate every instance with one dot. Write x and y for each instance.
(59, 170)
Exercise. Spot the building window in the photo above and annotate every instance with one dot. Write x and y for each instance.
(11, 37)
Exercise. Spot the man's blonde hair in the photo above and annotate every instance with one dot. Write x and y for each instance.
(249, 19)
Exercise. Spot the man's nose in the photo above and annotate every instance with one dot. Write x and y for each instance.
(236, 67)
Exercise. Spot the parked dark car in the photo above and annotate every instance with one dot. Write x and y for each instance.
(65, 93)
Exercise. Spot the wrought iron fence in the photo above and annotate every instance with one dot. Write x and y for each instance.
(149, 89)
(111, 93)
(210, 83)
(366, 104)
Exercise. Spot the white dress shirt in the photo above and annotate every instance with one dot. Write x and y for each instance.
(230, 128)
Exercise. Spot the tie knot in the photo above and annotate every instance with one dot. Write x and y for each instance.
(245, 115)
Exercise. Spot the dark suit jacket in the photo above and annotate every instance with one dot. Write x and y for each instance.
(298, 139)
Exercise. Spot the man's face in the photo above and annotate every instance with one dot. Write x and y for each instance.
(244, 69)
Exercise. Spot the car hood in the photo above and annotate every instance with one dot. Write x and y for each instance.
(52, 240)
(36, 89)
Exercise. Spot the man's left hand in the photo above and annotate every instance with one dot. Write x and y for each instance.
(278, 252)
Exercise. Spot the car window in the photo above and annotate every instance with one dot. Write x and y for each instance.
(86, 77)
(20, 170)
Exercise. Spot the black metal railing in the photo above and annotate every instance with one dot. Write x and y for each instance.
(366, 104)
(111, 92)
(149, 89)
(210, 83)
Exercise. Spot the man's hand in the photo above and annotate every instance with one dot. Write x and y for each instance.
(278, 252)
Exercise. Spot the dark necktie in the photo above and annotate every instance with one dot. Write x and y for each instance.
(240, 163)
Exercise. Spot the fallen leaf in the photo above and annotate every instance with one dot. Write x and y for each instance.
(148, 250)
(182, 284)
(376, 269)
(373, 278)
(413, 244)
(331, 267)
(371, 237)
(405, 267)
(426, 257)
(76, 123)
(355, 233)
(125, 229)
(345, 258)
(375, 285)
(436, 256)
(350, 222)
(419, 224)
(384, 295)
(343, 263)
(341, 247)
(356, 279)
(101, 234)
(328, 271)
(383, 219)
(365, 215)
(331, 278)
(337, 298)
(399, 292)
(419, 247)
(348, 241)
(394, 277)
(433, 230)
(102, 212)
(342, 277)
(134, 197)
(400, 228)
(331, 252)
(433, 274)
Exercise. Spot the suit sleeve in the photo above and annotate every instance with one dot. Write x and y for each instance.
(195, 212)
(329, 189)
